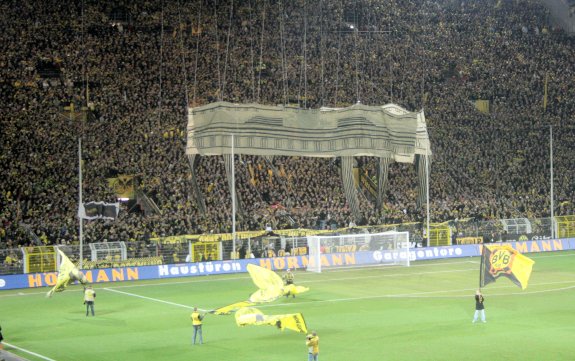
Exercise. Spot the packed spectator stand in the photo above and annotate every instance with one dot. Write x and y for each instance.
(121, 76)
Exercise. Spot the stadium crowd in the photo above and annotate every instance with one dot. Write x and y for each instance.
(135, 67)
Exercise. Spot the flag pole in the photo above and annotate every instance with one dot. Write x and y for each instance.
(552, 200)
(428, 216)
(233, 201)
(551, 196)
(81, 228)
(481, 265)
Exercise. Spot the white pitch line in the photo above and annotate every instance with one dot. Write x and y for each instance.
(148, 298)
(533, 292)
(383, 266)
(546, 255)
(28, 352)
(154, 299)
(426, 294)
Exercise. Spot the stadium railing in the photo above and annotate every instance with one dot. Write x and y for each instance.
(259, 244)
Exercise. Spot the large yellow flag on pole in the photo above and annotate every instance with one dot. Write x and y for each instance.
(270, 285)
(497, 261)
(67, 273)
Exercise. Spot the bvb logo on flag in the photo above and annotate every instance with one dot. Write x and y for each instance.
(501, 262)
(123, 186)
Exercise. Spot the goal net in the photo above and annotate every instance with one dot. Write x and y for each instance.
(387, 248)
(108, 251)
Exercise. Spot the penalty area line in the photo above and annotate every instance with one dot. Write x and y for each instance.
(28, 351)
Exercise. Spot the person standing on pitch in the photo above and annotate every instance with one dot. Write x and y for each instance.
(479, 307)
(197, 318)
(312, 343)
(288, 280)
(89, 299)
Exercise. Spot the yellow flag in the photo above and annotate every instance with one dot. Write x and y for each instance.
(294, 322)
(497, 261)
(264, 278)
(67, 273)
(294, 290)
(270, 288)
(270, 284)
(249, 316)
(253, 316)
(123, 186)
(226, 310)
(482, 105)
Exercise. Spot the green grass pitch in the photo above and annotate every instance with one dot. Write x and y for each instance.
(422, 312)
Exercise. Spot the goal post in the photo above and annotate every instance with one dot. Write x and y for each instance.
(314, 254)
(387, 248)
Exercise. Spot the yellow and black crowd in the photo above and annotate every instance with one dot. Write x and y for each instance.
(121, 74)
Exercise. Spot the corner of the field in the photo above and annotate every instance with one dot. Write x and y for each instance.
(9, 356)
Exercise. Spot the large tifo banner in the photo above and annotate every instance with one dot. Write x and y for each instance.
(36, 280)
(387, 131)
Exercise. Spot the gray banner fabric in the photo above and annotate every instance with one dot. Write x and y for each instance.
(382, 176)
(387, 131)
(347, 165)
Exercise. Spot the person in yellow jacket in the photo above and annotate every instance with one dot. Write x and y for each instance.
(312, 343)
(197, 318)
(89, 299)
(288, 280)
